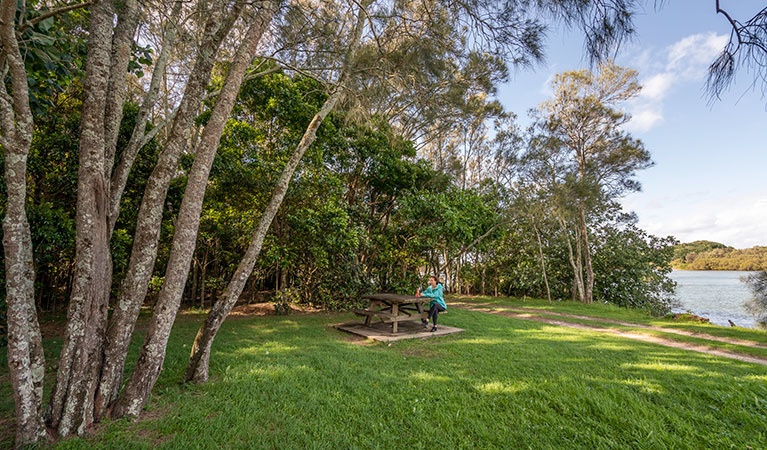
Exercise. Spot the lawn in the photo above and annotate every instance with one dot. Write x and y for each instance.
(608, 311)
(294, 382)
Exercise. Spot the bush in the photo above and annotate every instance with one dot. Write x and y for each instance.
(284, 299)
(757, 305)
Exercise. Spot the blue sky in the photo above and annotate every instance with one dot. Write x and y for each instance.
(709, 180)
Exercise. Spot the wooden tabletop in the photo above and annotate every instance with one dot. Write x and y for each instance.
(395, 298)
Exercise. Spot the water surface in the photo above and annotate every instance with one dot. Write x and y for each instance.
(716, 294)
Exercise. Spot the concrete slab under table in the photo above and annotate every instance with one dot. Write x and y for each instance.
(407, 330)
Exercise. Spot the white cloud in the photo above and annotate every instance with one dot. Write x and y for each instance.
(656, 87)
(685, 61)
(644, 119)
(691, 55)
(738, 221)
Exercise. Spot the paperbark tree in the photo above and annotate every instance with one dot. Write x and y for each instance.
(144, 252)
(71, 408)
(26, 361)
(197, 369)
(144, 376)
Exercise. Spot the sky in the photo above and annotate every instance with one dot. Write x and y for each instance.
(709, 180)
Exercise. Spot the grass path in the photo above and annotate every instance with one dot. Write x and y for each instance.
(525, 314)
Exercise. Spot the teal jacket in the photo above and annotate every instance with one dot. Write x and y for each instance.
(435, 295)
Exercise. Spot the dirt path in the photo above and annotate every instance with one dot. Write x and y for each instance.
(626, 334)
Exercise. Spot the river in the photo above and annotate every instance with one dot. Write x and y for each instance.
(716, 294)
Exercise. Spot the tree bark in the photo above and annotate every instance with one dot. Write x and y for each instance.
(149, 363)
(543, 263)
(144, 252)
(127, 21)
(26, 362)
(72, 401)
(589, 288)
(138, 137)
(577, 273)
(197, 368)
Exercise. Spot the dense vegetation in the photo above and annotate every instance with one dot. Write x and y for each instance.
(364, 213)
(707, 255)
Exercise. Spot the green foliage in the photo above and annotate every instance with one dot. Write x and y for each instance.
(632, 269)
(284, 299)
(706, 255)
(681, 250)
(54, 52)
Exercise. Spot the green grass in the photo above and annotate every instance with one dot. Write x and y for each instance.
(735, 348)
(293, 382)
(617, 313)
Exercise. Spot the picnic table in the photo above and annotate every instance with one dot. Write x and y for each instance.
(393, 308)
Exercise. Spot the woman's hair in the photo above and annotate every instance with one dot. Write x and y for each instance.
(436, 278)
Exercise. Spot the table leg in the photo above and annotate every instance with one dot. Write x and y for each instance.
(395, 312)
(369, 318)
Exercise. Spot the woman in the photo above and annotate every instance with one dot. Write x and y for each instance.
(437, 303)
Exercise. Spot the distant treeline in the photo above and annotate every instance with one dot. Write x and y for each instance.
(707, 255)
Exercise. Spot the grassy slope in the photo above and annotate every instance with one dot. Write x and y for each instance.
(291, 382)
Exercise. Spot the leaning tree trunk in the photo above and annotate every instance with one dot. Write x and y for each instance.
(144, 252)
(149, 363)
(197, 369)
(589, 288)
(26, 362)
(72, 400)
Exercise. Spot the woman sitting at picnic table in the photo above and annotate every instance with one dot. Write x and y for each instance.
(437, 303)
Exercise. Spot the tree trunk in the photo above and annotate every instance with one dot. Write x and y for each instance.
(543, 263)
(149, 363)
(577, 274)
(589, 288)
(26, 362)
(197, 369)
(202, 277)
(195, 280)
(482, 286)
(138, 138)
(144, 252)
(72, 400)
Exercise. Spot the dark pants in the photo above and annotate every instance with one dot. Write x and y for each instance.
(434, 312)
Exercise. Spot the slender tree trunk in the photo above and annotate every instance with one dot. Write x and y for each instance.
(203, 277)
(577, 274)
(149, 363)
(144, 252)
(197, 369)
(72, 399)
(589, 288)
(195, 280)
(543, 262)
(26, 362)
(138, 137)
